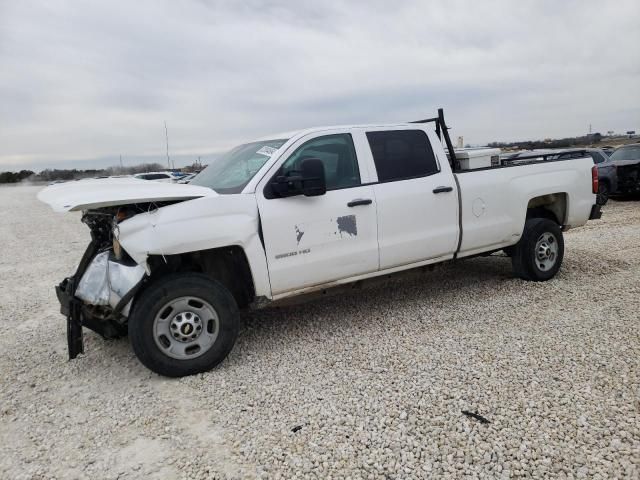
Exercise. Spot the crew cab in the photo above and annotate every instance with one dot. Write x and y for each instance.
(290, 214)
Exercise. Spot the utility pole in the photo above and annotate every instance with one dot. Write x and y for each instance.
(121, 167)
(166, 134)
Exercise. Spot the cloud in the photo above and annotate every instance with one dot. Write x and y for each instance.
(98, 79)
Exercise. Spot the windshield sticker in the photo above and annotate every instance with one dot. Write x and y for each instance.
(267, 151)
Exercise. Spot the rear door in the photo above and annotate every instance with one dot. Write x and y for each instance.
(311, 241)
(416, 197)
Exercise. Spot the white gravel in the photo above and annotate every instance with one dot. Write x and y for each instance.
(373, 381)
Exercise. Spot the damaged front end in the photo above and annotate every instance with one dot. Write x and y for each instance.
(100, 293)
(628, 177)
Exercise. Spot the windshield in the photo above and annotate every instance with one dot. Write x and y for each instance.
(626, 153)
(231, 172)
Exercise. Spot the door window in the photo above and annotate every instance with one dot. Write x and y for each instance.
(402, 154)
(338, 155)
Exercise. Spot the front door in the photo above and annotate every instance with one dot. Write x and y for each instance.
(311, 241)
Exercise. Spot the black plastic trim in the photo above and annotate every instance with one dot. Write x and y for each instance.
(460, 229)
(356, 203)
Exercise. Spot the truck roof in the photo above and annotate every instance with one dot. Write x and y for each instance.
(305, 131)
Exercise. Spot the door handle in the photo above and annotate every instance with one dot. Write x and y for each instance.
(442, 189)
(359, 201)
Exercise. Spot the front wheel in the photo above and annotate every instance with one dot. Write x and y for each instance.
(539, 253)
(183, 324)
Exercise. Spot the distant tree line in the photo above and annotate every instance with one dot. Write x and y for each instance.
(15, 177)
(50, 175)
(132, 170)
(558, 143)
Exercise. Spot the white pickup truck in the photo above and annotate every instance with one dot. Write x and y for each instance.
(171, 265)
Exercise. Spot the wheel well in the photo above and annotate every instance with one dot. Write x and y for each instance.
(228, 265)
(552, 206)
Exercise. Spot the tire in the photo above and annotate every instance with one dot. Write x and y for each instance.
(199, 312)
(538, 255)
(603, 194)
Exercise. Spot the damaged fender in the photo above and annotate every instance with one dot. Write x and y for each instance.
(200, 224)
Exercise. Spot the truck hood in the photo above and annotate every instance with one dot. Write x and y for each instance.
(108, 192)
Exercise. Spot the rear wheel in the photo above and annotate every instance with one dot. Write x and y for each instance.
(539, 253)
(183, 324)
(603, 194)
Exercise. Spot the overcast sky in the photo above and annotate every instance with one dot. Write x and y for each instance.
(88, 81)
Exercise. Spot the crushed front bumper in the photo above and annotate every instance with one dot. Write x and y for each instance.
(109, 282)
(99, 280)
(71, 308)
(64, 292)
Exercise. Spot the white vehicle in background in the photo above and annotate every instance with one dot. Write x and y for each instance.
(187, 178)
(171, 265)
(165, 177)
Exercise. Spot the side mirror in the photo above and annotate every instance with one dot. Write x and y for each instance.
(309, 181)
(313, 179)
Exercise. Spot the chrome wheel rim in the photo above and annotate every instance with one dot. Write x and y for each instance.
(546, 251)
(185, 328)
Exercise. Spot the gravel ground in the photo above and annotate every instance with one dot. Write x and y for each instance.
(370, 384)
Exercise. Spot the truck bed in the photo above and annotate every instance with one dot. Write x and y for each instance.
(491, 199)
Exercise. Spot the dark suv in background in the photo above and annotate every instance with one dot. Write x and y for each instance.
(626, 159)
(607, 175)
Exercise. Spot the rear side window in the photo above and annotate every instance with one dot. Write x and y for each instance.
(402, 154)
